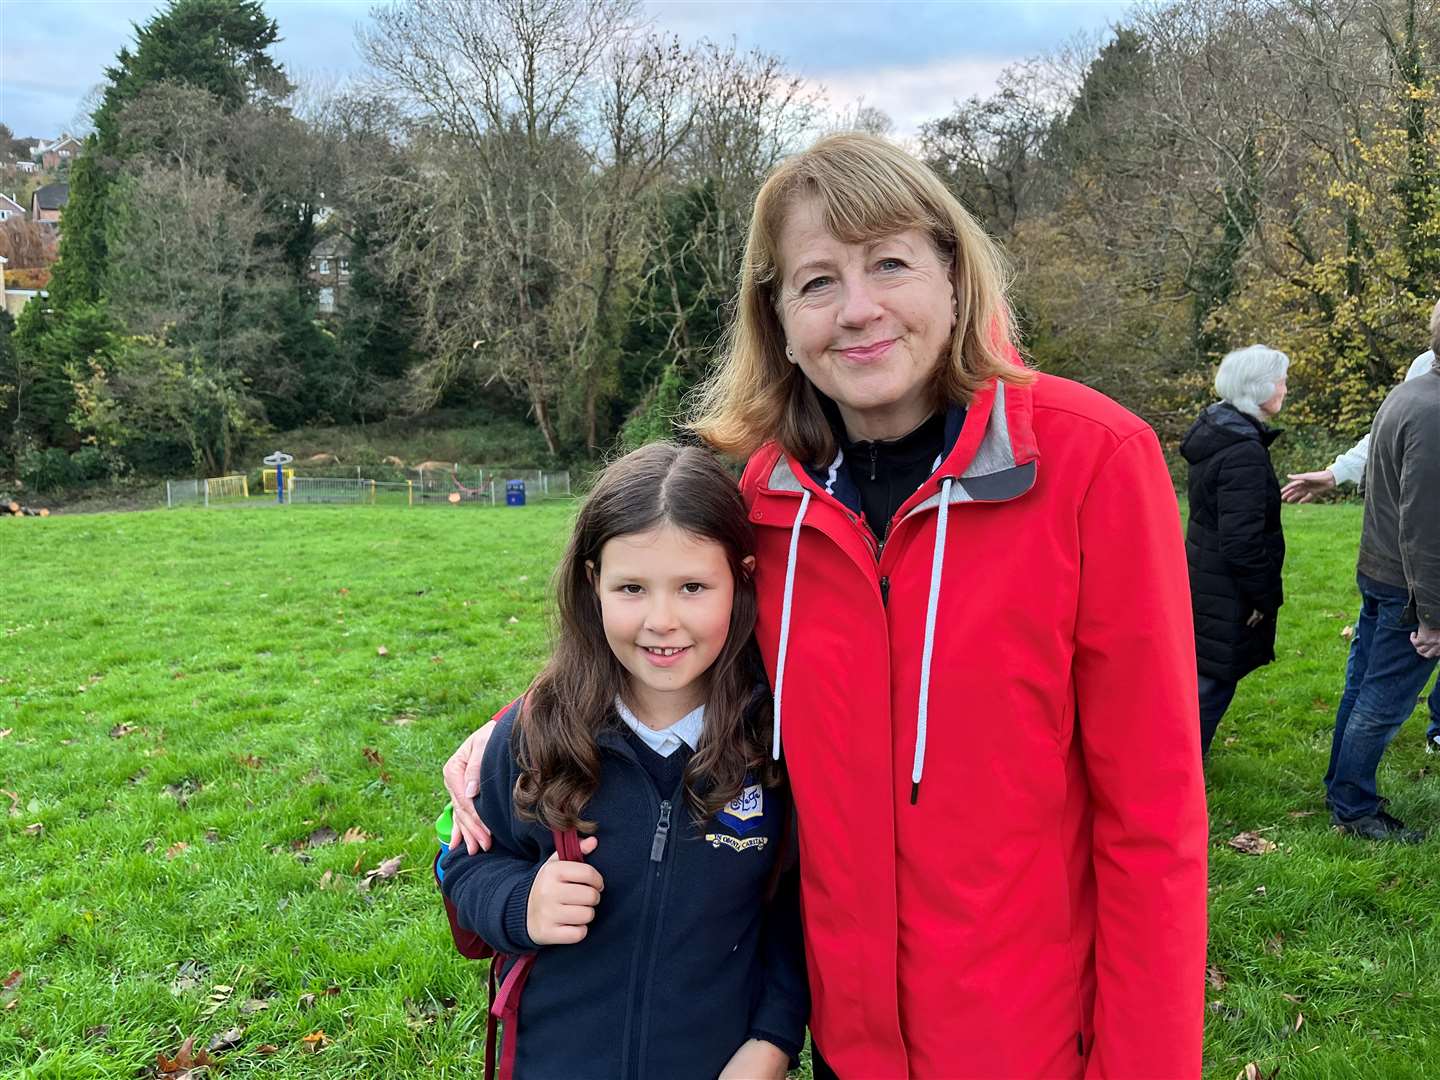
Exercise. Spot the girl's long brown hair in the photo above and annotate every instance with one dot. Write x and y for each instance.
(659, 484)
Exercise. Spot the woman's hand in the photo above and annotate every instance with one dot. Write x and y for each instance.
(757, 1060)
(462, 781)
(563, 898)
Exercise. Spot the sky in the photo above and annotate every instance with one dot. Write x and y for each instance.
(910, 59)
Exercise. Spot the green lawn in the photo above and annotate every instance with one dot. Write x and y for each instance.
(196, 710)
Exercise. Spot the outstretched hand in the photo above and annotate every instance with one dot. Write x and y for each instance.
(563, 899)
(1304, 487)
(462, 781)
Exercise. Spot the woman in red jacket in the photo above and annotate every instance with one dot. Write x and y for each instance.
(975, 616)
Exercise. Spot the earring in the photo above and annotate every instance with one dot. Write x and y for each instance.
(789, 354)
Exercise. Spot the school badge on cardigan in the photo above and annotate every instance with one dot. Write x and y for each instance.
(746, 811)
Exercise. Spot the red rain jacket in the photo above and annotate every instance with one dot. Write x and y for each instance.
(1039, 910)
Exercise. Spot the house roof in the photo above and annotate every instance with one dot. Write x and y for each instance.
(7, 199)
(331, 247)
(52, 196)
(46, 147)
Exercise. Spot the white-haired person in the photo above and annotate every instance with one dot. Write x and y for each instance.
(1233, 543)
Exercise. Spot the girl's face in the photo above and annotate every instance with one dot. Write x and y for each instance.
(665, 600)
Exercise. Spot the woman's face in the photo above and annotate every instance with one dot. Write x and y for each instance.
(866, 323)
(1272, 405)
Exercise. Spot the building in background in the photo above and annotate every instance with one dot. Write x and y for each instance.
(48, 202)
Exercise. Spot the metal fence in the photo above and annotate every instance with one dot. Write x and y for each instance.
(429, 487)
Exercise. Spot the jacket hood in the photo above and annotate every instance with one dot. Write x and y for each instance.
(1221, 426)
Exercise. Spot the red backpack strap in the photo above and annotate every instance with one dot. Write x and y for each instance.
(567, 845)
(505, 998)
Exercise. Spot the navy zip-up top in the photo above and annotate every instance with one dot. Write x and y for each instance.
(684, 960)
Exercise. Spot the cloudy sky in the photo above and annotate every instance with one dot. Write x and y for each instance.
(909, 59)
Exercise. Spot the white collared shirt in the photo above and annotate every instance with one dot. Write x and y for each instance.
(687, 729)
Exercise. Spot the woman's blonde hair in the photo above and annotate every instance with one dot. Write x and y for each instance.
(867, 188)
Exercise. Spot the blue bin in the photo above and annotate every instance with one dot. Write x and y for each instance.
(514, 492)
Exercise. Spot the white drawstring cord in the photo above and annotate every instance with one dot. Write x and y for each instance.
(937, 564)
(785, 617)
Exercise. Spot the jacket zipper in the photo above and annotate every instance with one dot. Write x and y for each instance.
(646, 947)
(662, 833)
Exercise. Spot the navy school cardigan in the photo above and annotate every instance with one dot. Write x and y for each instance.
(685, 959)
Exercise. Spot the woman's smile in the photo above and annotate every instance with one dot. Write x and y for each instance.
(865, 354)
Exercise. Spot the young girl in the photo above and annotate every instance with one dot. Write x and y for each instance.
(673, 950)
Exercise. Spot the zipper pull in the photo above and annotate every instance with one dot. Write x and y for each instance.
(885, 592)
(874, 454)
(662, 830)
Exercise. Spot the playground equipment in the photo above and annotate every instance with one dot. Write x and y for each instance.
(279, 460)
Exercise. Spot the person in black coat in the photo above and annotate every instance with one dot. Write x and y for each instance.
(1233, 542)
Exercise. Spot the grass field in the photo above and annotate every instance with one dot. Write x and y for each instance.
(197, 708)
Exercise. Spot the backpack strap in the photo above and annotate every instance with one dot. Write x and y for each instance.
(505, 994)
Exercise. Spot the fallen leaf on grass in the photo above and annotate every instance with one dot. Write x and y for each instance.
(219, 995)
(382, 651)
(354, 836)
(1275, 944)
(226, 1040)
(1251, 843)
(252, 1006)
(1303, 813)
(14, 802)
(400, 720)
(99, 1031)
(36, 829)
(250, 761)
(1347, 632)
(10, 988)
(307, 1001)
(185, 1064)
(1215, 977)
(212, 836)
(386, 870)
(1299, 1021)
(318, 838)
(190, 974)
(377, 759)
(424, 1014)
(267, 1049)
(1293, 999)
(119, 731)
(182, 791)
(315, 1041)
(5, 732)
(1254, 1072)
(176, 848)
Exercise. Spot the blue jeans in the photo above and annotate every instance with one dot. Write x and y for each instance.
(1383, 677)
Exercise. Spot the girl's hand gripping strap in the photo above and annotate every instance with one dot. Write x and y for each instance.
(505, 1000)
